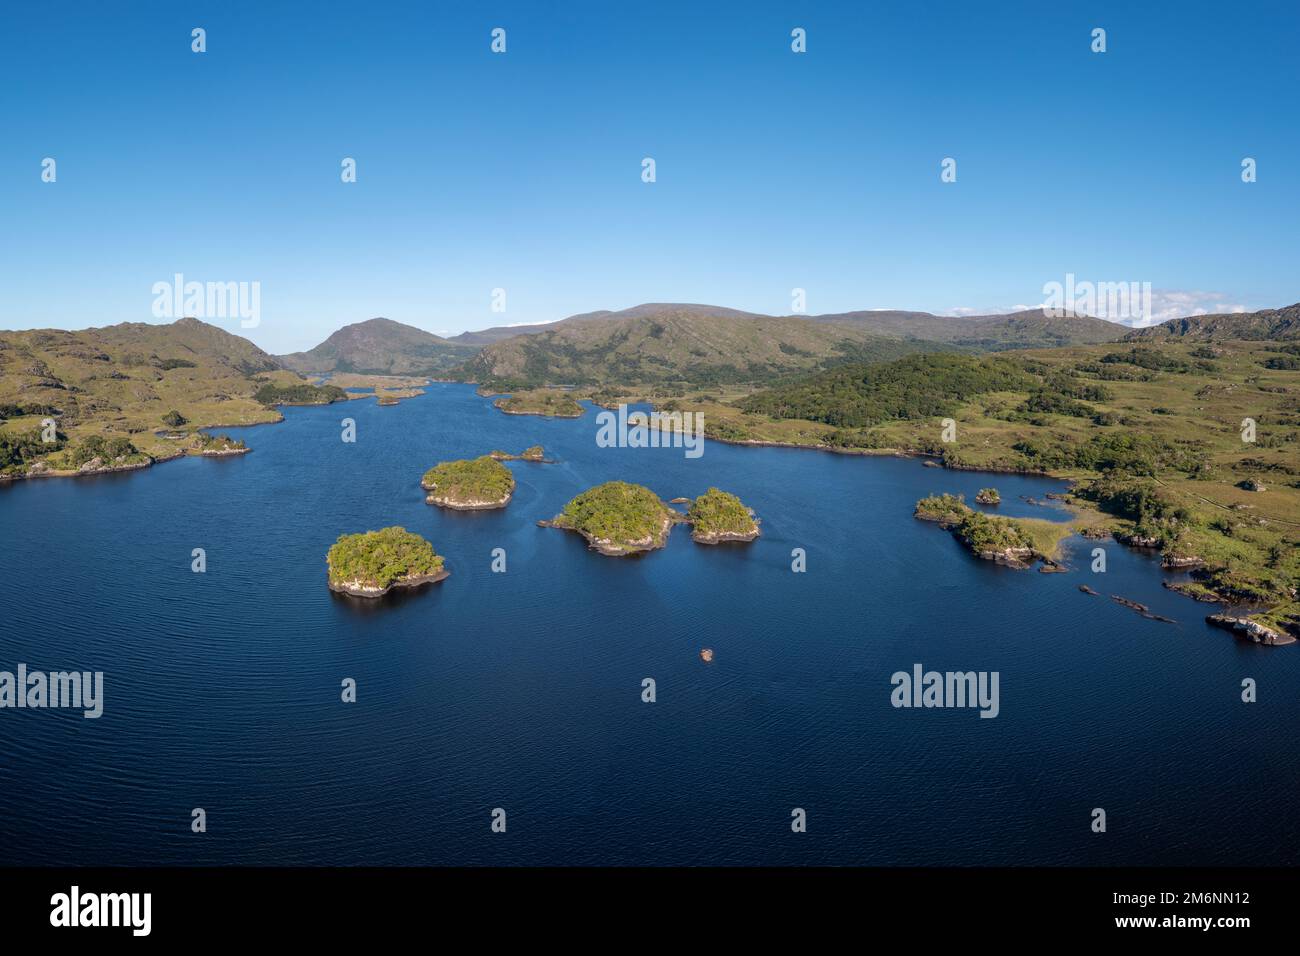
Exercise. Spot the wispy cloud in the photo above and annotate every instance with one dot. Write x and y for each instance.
(1165, 304)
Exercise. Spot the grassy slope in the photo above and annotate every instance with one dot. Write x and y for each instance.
(75, 372)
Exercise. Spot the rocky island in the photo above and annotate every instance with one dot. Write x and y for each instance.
(473, 484)
(718, 516)
(988, 496)
(617, 518)
(372, 564)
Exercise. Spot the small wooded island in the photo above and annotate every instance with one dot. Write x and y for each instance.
(1015, 542)
(473, 484)
(372, 564)
(618, 518)
(988, 496)
(531, 453)
(717, 516)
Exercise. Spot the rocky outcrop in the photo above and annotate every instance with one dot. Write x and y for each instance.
(1134, 540)
(97, 466)
(1246, 629)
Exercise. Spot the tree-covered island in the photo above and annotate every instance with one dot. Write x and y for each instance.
(717, 516)
(618, 518)
(473, 484)
(373, 563)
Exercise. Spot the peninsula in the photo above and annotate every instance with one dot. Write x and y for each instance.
(1014, 542)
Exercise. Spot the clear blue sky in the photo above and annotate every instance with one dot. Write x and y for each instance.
(523, 170)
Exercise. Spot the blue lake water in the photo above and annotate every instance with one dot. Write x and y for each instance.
(522, 690)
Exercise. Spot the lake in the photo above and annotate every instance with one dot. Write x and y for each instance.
(523, 690)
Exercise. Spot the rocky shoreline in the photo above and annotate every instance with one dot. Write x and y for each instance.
(718, 537)
(361, 590)
(467, 504)
(618, 549)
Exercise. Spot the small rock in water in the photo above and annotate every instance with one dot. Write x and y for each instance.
(706, 655)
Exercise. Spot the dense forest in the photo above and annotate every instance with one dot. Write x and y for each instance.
(917, 386)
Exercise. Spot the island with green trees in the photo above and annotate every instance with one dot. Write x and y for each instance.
(988, 496)
(1014, 542)
(553, 403)
(718, 516)
(618, 518)
(534, 453)
(371, 564)
(472, 484)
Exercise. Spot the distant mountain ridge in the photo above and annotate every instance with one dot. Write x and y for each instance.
(1032, 328)
(380, 347)
(1265, 325)
(676, 343)
(706, 344)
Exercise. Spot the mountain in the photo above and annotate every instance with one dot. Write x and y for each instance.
(380, 347)
(1030, 329)
(1265, 325)
(660, 342)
